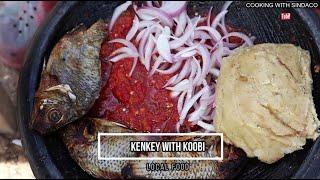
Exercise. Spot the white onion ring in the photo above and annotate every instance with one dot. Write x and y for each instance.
(148, 50)
(156, 64)
(117, 12)
(196, 115)
(125, 50)
(119, 57)
(206, 126)
(181, 24)
(185, 50)
(171, 70)
(180, 102)
(188, 32)
(186, 69)
(156, 13)
(124, 42)
(190, 103)
(197, 79)
(149, 3)
(134, 29)
(174, 8)
(213, 32)
(135, 61)
(163, 47)
(201, 35)
(142, 45)
(218, 18)
(181, 86)
(205, 60)
(171, 80)
(247, 40)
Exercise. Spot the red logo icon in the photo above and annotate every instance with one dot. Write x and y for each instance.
(285, 16)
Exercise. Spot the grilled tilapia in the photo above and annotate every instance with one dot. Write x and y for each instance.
(81, 140)
(71, 80)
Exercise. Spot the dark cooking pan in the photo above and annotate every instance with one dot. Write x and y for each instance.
(47, 154)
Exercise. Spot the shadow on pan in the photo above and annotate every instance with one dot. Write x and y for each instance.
(48, 156)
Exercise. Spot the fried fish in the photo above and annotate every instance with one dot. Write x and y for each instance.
(81, 141)
(71, 80)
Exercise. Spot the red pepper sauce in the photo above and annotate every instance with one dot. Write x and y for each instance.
(139, 101)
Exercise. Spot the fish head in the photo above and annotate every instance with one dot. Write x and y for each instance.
(53, 109)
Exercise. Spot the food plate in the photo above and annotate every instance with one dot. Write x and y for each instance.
(47, 154)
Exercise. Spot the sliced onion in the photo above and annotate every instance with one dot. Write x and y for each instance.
(223, 28)
(156, 13)
(226, 5)
(125, 50)
(205, 60)
(185, 50)
(171, 80)
(140, 35)
(247, 40)
(193, 70)
(149, 3)
(148, 50)
(172, 69)
(124, 42)
(189, 54)
(117, 12)
(181, 86)
(197, 79)
(175, 94)
(198, 19)
(157, 3)
(174, 8)
(215, 72)
(180, 102)
(209, 17)
(178, 127)
(163, 47)
(226, 51)
(119, 57)
(186, 69)
(134, 29)
(218, 18)
(229, 45)
(181, 24)
(190, 103)
(179, 42)
(135, 7)
(146, 17)
(144, 24)
(213, 32)
(135, 61)
(196, 115)
(142, 45)
(207, 100)
(206, 126)
(207, 118)
(201, 35)
(223, 24)
(155, 66)
(190, 93)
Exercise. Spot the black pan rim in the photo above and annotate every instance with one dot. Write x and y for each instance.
(35, 148)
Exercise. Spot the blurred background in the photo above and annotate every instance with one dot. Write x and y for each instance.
(18, 23)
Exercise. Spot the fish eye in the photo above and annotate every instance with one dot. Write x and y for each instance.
(54, 115)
